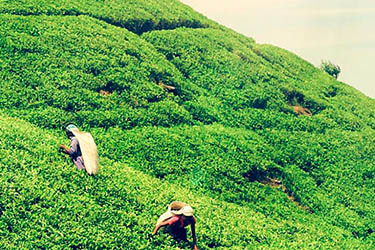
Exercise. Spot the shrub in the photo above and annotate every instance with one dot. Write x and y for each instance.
(332, 69)
(199, 114)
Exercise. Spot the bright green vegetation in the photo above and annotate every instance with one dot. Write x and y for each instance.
(136, 15)
(44, 204)
(181, 109)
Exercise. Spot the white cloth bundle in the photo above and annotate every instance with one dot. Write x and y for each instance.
(89, 151)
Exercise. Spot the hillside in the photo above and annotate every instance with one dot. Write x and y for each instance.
(181, 108)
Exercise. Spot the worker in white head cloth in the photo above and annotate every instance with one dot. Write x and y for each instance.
(178, 216)
(82, 151)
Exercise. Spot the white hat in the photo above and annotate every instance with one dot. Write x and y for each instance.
(186, 210)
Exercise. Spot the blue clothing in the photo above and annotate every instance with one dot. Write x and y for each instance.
(76, 154)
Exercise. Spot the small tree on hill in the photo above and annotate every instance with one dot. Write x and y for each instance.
(330, 68)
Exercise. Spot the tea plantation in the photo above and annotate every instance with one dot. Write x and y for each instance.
(270, 151)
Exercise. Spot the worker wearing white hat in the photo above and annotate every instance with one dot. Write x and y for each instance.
(178, 216)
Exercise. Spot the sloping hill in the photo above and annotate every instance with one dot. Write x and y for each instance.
(135, 15)
(44, 204)
(176, 102)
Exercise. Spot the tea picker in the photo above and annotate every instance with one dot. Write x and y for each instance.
(178, 216)
(82, 151)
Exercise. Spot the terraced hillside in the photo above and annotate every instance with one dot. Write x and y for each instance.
(181, 108)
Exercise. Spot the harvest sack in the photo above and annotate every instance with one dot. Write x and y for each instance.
(89, 151)
(171, 211)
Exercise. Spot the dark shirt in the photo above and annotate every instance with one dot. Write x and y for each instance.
(76, 154)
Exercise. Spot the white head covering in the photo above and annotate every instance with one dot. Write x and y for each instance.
(70, 127)
(186, 211)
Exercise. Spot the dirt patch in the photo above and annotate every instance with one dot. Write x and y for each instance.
(166, 87)
(104, 93)
(301, 110)
(275, 183)
(271, 182)
(301, 105)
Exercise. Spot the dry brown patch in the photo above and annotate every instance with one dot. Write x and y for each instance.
(167, 87)
(301, 110)
(104, 93)
(275, 183)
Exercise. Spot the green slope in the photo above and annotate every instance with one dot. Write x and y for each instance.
(46, 204)
(184, 102)
(135, 15)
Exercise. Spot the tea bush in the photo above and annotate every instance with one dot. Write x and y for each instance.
(72, 83)
(45, 203)
(136, 16)
(330, 68)
(196, 112)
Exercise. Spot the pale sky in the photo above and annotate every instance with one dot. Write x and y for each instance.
(342, 31)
